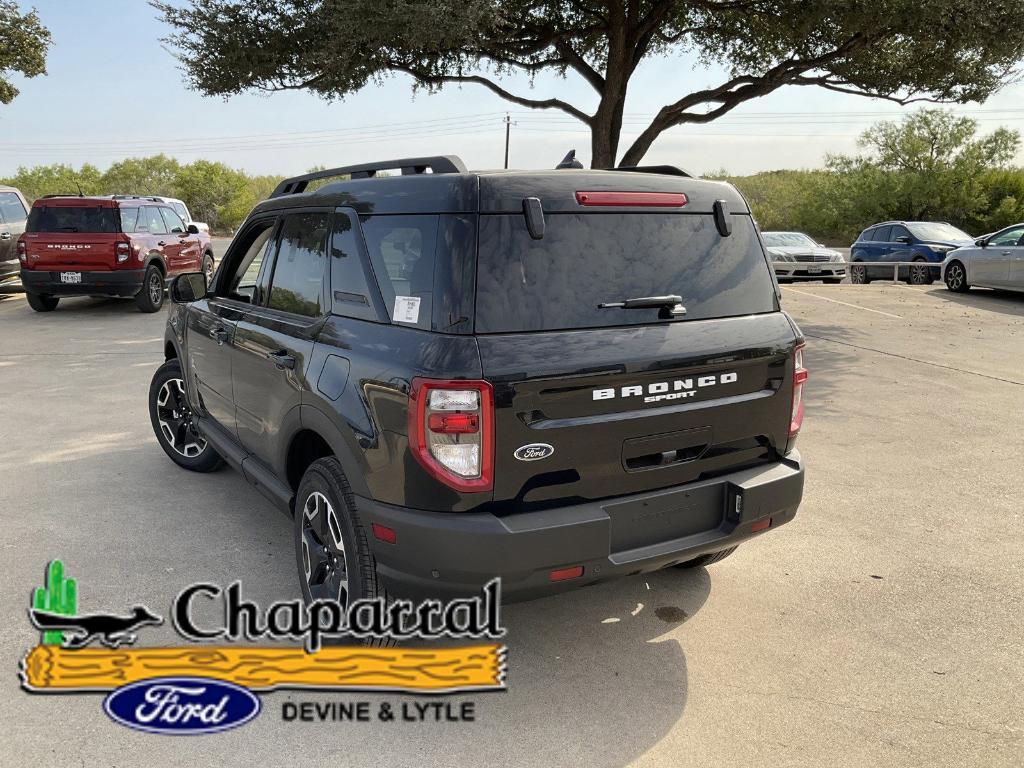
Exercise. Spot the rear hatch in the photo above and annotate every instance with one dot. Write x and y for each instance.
(76, 234)
(621, 401)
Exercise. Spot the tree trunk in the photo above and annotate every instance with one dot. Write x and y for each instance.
(604, 141)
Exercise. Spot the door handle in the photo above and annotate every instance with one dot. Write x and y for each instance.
(162, 243)
(1005, 253)
(281, 360)
(220, 335)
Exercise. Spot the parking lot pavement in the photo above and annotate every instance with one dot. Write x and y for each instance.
(881, 627)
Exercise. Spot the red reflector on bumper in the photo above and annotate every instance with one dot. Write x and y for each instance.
(385, 534)
(761, 525)
(564, 574)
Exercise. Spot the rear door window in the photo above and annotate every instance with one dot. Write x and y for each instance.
(298, 277)
(350, 289)
(99, 219)
(11, 209)
(880, 235)
(129, 219)
(586, 259)
(154, 221)
(402, 251)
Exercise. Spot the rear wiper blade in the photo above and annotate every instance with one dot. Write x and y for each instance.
(674, 304)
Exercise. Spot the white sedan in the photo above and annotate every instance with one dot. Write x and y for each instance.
(994, 261)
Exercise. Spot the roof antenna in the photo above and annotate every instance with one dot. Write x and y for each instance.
(569, 161)
(80, 193)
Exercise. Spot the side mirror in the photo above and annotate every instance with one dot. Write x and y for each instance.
(188, 287)
(903, 239)
(193, 229)
(981, 242)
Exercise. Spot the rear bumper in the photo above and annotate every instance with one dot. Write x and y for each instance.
(449, 554)
(122, 282)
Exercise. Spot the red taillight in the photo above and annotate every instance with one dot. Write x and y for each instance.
(634, 199)
(123, 252)
(22, 252)
(383, 533)
(451, 431)
(564, 574)
(796, 417)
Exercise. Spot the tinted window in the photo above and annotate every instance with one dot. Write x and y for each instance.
(1007, 237)
(154, 221)
(880, 235)
(349, 286)
(898, 231)
(129, 218)
(401, 251)
(249, 277)
(66, 218)
(179, 208)
(588, 259)
(172, 220)
(11, 209)
(297, 283)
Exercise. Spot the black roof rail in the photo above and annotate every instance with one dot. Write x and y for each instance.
(62, 194)
(669, 170)
(152, 198)
(409, 166)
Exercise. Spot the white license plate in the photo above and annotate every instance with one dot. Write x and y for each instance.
(814, 270)
(71, 277)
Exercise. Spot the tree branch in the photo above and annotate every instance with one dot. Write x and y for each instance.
(842, 87)
(495, 88)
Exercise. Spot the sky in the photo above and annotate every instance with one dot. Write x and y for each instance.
(114, 91)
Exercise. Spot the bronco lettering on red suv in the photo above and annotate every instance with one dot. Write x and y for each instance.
(552, 377)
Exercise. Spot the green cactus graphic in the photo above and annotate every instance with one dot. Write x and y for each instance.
(60, 595)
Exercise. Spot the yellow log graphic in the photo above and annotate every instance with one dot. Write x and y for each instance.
(50, 668)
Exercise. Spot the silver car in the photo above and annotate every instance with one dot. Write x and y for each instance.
(802, 258)
(994, 261)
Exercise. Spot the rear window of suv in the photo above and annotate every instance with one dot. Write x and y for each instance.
(71, 219)
(586, 259)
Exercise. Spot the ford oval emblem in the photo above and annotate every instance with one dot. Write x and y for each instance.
(533, 452)
(182, 705)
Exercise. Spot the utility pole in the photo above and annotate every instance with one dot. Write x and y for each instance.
(508, 129)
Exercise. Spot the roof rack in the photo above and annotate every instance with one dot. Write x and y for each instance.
(64, 194)
(409, 166)
(152, 198)
(669, 170)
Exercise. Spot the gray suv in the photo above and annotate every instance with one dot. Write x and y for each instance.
(13, 213)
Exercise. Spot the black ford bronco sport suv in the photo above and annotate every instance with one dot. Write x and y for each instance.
(555, 377)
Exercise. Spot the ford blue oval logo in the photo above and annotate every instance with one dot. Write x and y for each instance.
(182, 705)
(533, 452)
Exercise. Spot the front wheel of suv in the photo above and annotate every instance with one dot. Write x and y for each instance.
(42, 303)
(708, 559)
(331, 551)
(171, 416)
(151, 297)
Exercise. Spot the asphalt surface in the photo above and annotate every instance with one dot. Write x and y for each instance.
(882, 627)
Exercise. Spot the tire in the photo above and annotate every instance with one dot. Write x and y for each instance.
(151, 297)
(331, 551)
(208, 267)
(171, 416)
(920, 273)
(708, 559)
(956, 277)
(859, 274)
(41, 302)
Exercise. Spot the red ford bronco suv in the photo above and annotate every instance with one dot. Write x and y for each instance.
(107, 246)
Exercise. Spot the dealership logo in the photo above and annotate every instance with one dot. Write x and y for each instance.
(197, 687)
(533, 452)
(182, 705)
(677, 389)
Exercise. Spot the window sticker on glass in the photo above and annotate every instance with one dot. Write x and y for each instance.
(407, 309)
